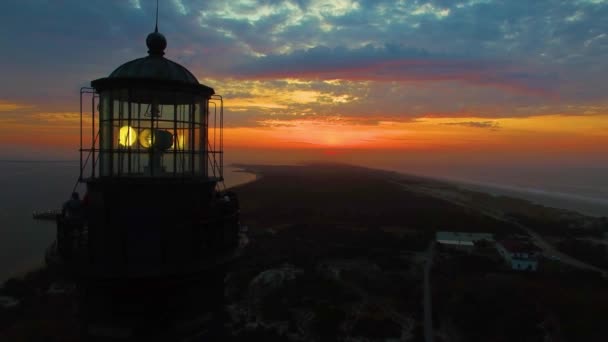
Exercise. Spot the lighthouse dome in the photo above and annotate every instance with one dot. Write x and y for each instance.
(155, 66)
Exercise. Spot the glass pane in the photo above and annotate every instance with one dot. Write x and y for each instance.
(152, 133)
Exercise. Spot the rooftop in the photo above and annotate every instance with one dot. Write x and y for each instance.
(462, 238)
(152, 68)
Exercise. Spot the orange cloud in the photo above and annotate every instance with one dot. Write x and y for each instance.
(547, 133)
(7, 106)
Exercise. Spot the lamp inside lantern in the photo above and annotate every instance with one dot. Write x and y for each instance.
(159, 139)
(127, 136)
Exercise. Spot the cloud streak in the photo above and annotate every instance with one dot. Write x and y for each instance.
(393, 63)
(492, 125)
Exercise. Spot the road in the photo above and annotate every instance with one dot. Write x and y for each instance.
(548, 249)
(427, 302)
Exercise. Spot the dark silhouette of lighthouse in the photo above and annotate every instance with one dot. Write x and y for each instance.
(150, 250)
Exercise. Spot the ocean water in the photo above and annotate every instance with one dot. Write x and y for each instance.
(27, 186)
(581, 189)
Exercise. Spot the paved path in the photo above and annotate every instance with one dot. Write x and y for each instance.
(427, 302)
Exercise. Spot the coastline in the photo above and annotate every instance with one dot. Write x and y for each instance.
(584, 205)
(588, 206)
(242, 169)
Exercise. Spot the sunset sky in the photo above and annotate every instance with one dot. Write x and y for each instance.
(477, 80)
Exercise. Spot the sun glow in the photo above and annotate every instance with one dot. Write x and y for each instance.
(470, 134)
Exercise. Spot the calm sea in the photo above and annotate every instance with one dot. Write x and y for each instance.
(27, 186)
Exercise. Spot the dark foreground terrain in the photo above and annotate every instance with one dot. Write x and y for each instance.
(339, 252)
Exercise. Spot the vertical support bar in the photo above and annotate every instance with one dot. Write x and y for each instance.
(129, 132)
(80, 175)
(221, 137)
(175, 138)
(212, 152)
(93, 136)
(119, 150)
(152, 138)
(192, 148)
(215, 133)
(110, 138)
(201, 138)
(139, 131)
(204, 138)
(182, 149)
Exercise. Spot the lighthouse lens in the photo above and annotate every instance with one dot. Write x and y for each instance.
(159, 139)
(145, 138)
(163, 140)
(179, 140)
(127, 136)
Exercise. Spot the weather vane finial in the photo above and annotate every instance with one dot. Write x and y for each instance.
(156, 27)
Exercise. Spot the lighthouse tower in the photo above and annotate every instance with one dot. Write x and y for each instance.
(149, 252)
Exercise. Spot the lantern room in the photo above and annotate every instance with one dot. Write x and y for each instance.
(152, 168)
(155, 120)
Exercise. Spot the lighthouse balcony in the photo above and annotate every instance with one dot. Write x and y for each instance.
(148, 250)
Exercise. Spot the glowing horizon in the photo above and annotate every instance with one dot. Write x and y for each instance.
(325, 76)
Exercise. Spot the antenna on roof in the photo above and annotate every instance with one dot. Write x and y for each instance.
(155, 41)
(156, 27)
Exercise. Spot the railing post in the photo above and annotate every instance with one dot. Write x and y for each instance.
(80, 174)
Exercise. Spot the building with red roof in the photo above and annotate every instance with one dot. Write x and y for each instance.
(519, 255)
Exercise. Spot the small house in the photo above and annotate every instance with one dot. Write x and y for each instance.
(519, 255)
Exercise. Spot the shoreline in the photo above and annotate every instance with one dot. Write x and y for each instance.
(588, 206)
(256, 176)
(584, 205)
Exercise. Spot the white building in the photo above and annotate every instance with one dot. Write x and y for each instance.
(462, 239)
(519, 255)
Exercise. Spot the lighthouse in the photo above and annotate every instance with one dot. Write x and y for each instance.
(150, 250)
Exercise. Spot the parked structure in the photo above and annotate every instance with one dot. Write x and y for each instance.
(522, 256)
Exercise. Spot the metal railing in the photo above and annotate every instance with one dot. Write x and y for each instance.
(219, 233)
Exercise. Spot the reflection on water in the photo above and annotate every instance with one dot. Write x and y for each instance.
(30, 186)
